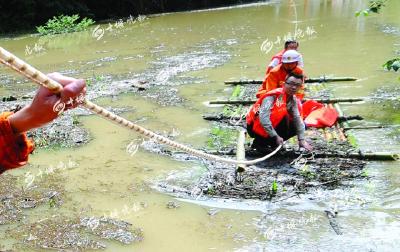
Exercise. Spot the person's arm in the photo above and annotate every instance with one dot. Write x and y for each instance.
(301, 62)
(14, 148)
(274, 62)
(14, 145)
(265, 115)
(293, 109)
(41, 111)
(298, 122)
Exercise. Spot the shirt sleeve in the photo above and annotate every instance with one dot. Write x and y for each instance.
(265, 115)
(301, 61)
(293, 109)
(14, 149)
(274, 62)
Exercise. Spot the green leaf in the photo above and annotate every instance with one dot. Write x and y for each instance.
(274, 187)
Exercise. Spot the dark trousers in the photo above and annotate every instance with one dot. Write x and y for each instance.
(285, 129)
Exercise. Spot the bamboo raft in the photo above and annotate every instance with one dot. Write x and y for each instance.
(340, 131)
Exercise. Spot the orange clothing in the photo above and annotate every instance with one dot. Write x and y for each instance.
(276, 78)
(278, 112)
(277, 56)
(14, 149)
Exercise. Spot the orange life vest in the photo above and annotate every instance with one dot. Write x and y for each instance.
(278, 111)
(276, 78)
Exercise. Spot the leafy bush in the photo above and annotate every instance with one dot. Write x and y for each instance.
(374, 6)
(393, 64)
(64, 24)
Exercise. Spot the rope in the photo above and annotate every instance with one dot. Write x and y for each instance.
(38, 77)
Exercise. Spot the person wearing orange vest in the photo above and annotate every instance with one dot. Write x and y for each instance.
(275, 117)
(15, 147)
(277, 58)
(276, 77)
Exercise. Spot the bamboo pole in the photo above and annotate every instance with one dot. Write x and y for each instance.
(221, 117)
(240, 151)
(342, 135)
(366, 127)
(342, 124)
(249, 102)
(371, 156)
(38, 77)
(311, 80)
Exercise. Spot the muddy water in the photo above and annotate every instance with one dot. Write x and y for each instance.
(190, 54)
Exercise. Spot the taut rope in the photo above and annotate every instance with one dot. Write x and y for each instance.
(38, 77)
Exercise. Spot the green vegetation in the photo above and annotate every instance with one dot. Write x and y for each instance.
(393, 64)
(307, 173)
(274, 187)
(211, 191)
(52, 202)
(64, 24)
(221, 138)
(75, 120)
(364, 173)
(96, 78)
(236, 91)
(374, 6)
(352, 140)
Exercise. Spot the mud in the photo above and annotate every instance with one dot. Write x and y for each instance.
(16, 197)
(76, 234)
(55, 231)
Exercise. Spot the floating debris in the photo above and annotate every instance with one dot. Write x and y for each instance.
(14, 197)
(77, 233)
(173, 205)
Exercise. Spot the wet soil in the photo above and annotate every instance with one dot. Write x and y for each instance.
(55, 231)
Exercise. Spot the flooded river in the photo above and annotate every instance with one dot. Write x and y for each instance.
(183, 59)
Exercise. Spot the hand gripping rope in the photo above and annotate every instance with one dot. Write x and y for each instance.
(38, 77)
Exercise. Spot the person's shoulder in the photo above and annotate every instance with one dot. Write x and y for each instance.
(298, 70)
(276, 69)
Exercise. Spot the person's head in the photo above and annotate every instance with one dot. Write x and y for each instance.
(293, 83)
(290, 60)
(291, 44)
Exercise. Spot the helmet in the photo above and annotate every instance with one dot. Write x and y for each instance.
(291, 56)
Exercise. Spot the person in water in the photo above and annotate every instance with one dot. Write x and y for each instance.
(276, 117)
(15, 147)
(277, 58)
(277, 76)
